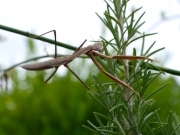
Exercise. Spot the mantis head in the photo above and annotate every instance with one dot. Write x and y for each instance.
(97, 46)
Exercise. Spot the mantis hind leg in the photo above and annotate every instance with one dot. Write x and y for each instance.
(55, 42)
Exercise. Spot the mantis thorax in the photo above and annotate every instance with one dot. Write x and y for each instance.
(97, 46)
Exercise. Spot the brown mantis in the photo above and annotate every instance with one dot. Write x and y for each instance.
(90, 51)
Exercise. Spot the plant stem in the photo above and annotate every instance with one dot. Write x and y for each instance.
(126, 66)
(119, 126)
(6, 28)
(164, 69)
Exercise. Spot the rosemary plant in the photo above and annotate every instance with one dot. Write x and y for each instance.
(127, 114)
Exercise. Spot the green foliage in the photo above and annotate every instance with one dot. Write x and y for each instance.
(126, 111)
(59, 107)
(62, 105)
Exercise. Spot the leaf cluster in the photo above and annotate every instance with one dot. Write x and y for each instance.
(126, 113)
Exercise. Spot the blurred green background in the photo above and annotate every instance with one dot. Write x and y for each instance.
(62, 106)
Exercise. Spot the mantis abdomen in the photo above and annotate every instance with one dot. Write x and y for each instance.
(46, 64)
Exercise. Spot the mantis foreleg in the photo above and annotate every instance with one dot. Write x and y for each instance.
(121, 56)
(111, 76)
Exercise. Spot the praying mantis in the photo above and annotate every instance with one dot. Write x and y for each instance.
(90, 51)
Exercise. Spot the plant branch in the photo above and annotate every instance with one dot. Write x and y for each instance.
(23, 33)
